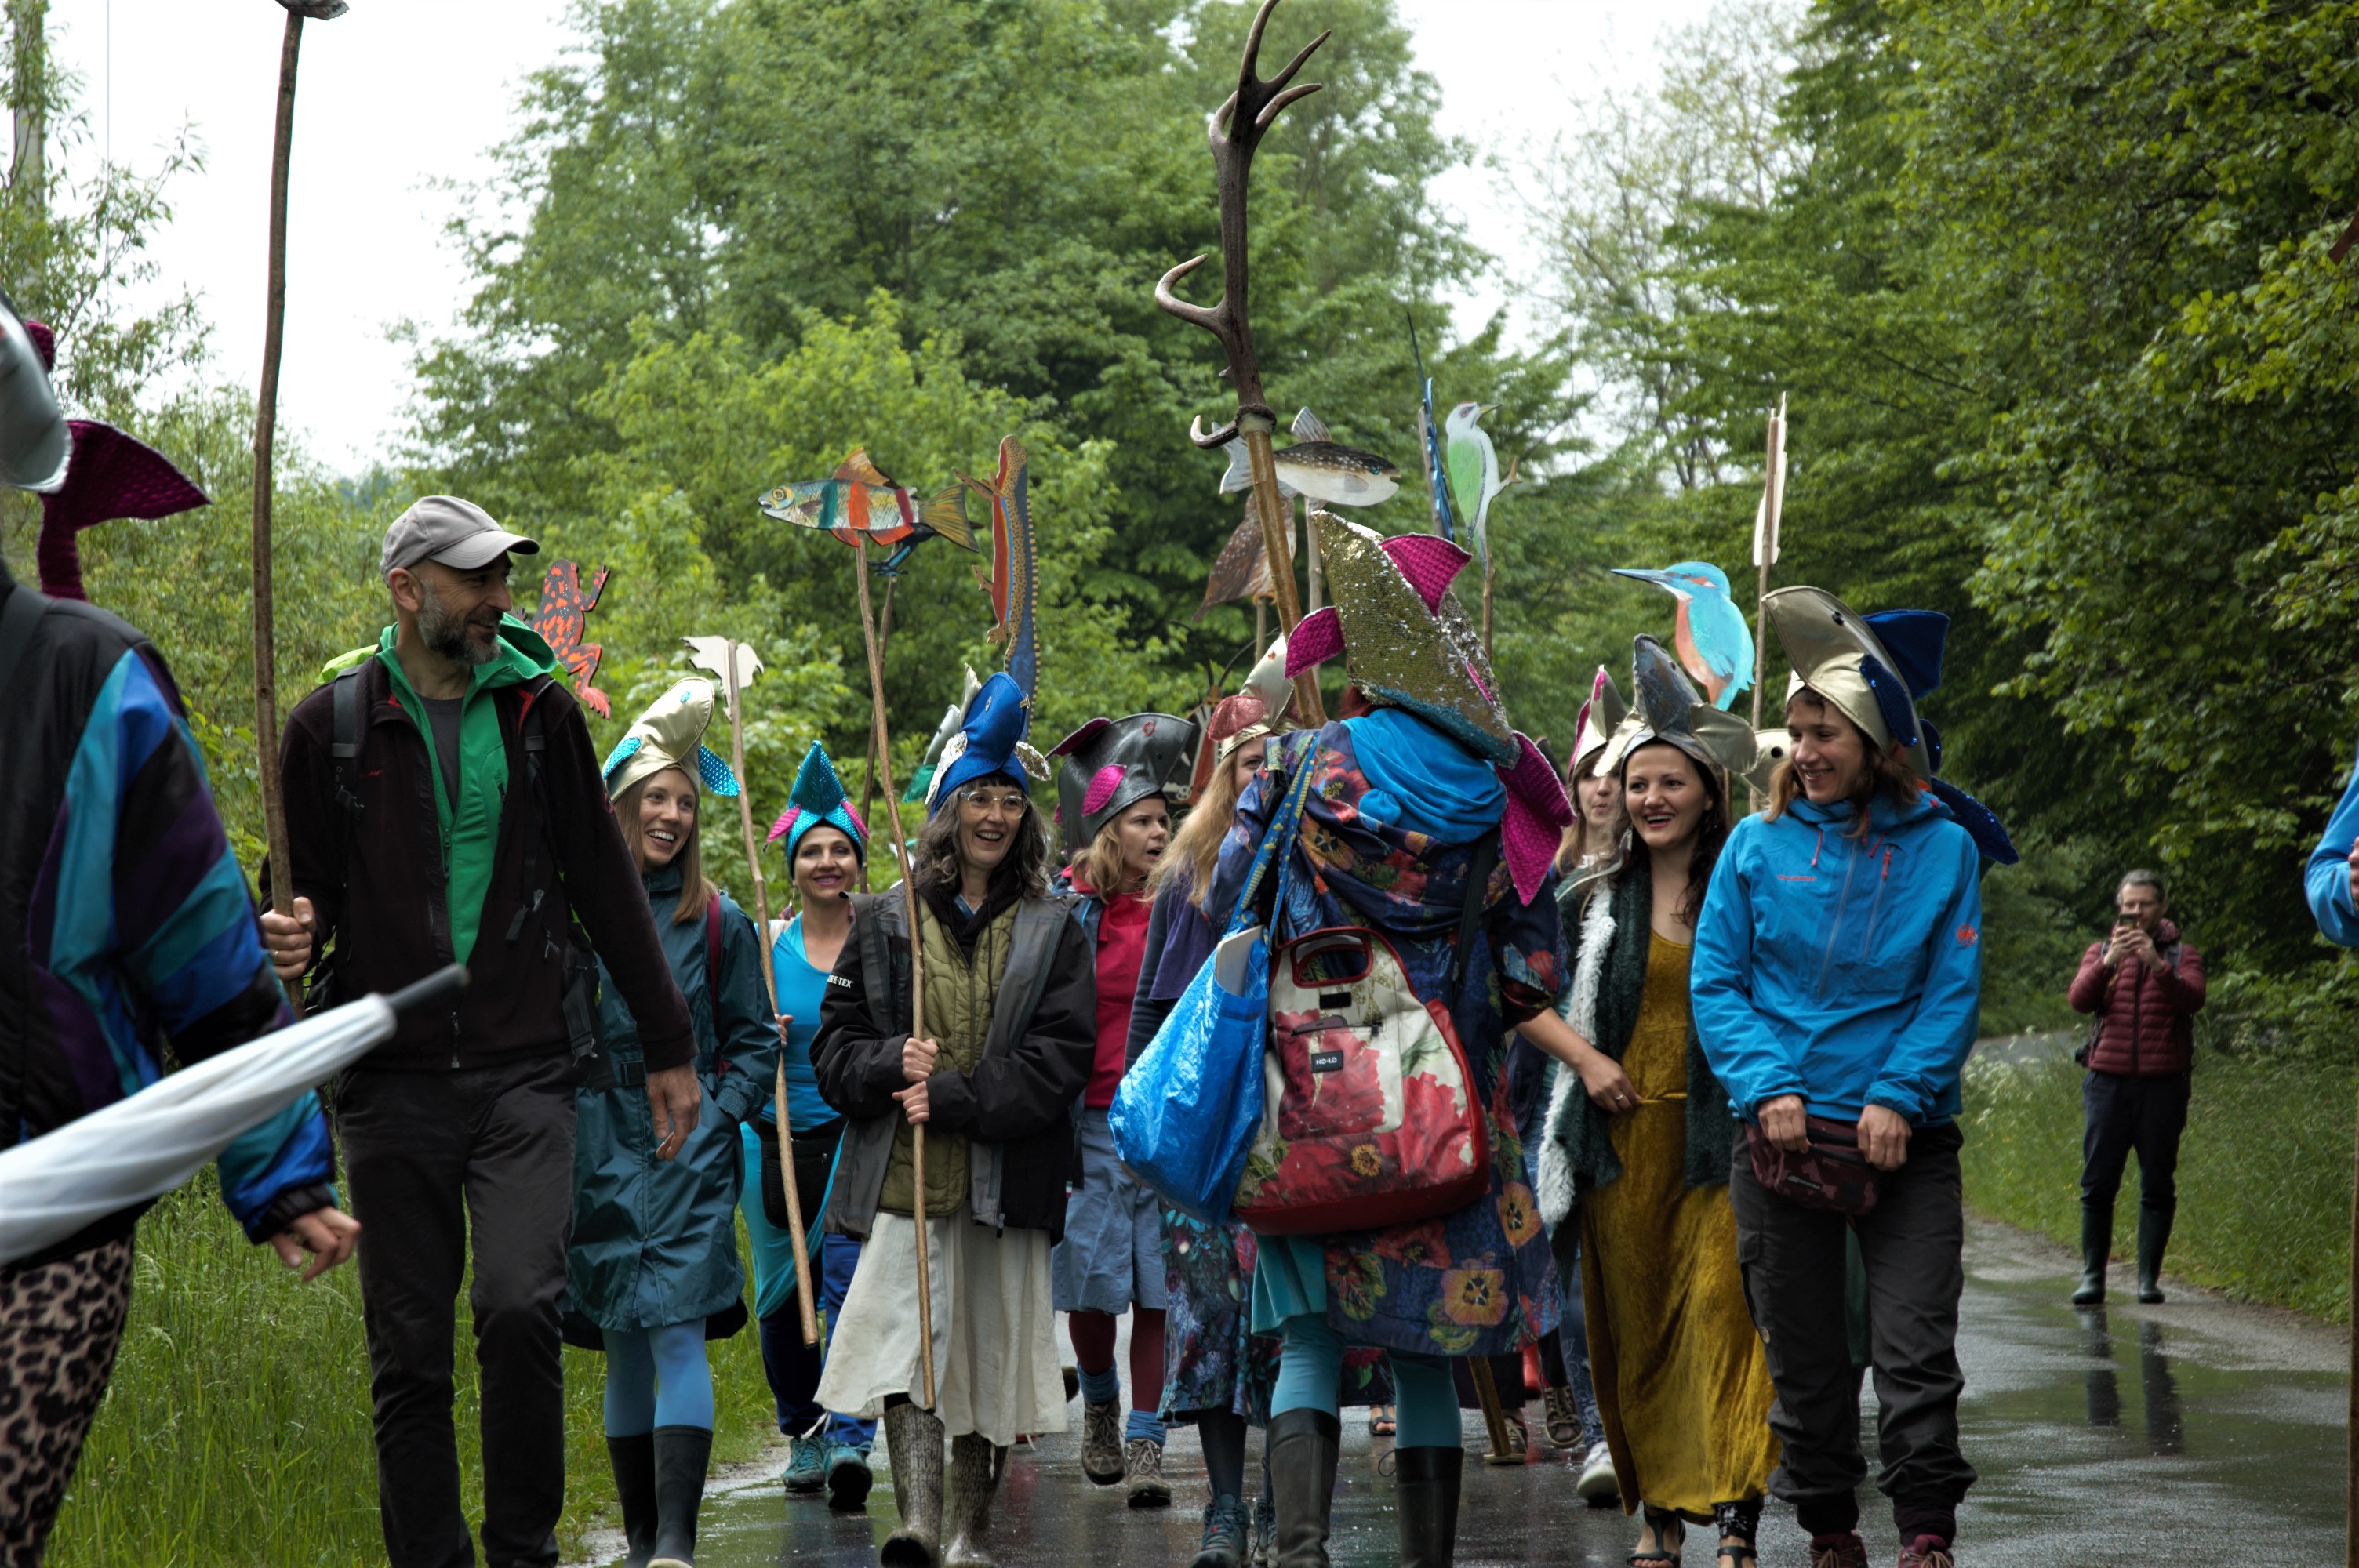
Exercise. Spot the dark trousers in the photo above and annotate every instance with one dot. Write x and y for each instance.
(2121, 1113)
(438, 1160)
(1912, 1245)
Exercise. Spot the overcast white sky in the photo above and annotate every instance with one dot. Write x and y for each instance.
(400, 98)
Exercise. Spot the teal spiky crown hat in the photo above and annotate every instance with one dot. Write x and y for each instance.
(819, 801)
(670, 734)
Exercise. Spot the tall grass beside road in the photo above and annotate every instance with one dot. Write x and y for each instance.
(237, 1428)
(2264, 1172)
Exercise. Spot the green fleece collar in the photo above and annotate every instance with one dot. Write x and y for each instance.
(471, 824)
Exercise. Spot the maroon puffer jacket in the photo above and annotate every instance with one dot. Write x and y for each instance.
(2146, 1016)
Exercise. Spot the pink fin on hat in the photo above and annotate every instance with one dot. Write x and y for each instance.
(1430, 562)
(1538, 814)
(786, 820)
(1103, 785)
(1316, 638)
(1080, 738)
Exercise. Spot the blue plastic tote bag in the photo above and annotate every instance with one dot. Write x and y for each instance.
(1186, 1113)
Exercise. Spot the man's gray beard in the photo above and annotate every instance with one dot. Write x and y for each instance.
(447, 634)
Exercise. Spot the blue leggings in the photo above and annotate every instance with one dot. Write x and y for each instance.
(1311, 1377)
(656, 1377)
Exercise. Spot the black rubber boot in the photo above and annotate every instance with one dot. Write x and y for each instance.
(1425, 1486)
(682, 1453)
(2154, 1235)
(1303, 1446)
(634, 1459)
(914, 1439)
(975, 1469)
(2096, 1245)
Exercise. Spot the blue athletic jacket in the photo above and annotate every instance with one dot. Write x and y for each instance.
(125, 921)
(2326, 879)
(1847, 970)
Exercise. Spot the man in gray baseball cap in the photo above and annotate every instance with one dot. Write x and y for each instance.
(466, 821)
(453, 532)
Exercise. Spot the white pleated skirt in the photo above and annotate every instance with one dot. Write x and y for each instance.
(995, 1366)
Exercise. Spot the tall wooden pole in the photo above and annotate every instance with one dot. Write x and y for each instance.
(265, 430)
(882, 738)
(2351, 1413)
(1255, 425)
(770, 979)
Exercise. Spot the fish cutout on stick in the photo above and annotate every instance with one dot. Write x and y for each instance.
(1014, 580)
(1326, 471)
(859, 502)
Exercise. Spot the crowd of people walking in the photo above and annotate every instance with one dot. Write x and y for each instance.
(1590, 1083)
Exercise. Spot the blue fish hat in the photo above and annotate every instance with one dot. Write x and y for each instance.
(990, 741)
(670, 734)
(1875, 669)
(819, 801)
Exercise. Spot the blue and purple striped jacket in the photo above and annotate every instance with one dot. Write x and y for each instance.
(128, 935)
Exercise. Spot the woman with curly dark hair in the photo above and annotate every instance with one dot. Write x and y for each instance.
(1011, 1010)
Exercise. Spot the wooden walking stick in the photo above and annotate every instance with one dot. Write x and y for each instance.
(737, 666)
(1764, 544)
(883, 741)
(1235, 130)
(1494, 1414)
(265, 432)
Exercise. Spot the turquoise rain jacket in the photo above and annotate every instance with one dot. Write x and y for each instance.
(1846, 970)
(655, 1241)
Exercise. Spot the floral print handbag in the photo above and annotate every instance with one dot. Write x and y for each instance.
(1370, 1115)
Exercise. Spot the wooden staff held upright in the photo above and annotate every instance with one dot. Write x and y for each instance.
(770, 979)
(265, 432)
(883, 741)
(1235, 130)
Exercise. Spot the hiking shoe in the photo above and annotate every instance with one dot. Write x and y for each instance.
(1224, 1535)
(1561, 1415)
(848, 1478)
(1598, 1486)
(1519, 1441)
(1843, 1549)
(1265, 1528)
(1926, 1552)
(1142, 1466)
(806, 1465)
(1101, 1459)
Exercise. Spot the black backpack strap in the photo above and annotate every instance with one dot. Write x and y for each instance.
(344, 742)
(18, 617)
(1478, 888)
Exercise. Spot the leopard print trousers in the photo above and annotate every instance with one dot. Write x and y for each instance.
(59, 1325)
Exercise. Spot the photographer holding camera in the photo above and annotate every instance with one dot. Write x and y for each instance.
(2146, 987)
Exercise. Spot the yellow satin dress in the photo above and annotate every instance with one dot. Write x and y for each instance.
(1680, 1378)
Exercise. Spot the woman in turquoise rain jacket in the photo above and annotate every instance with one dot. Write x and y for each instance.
(1836, 983)
(653, 1261)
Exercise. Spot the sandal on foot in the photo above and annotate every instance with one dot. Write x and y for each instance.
(1666, 1551)
(1742, 1520)
(1381, 1421)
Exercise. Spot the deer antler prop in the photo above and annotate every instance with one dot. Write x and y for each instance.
(1235, 130)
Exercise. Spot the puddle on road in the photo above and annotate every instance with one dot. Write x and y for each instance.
(2189, 1431)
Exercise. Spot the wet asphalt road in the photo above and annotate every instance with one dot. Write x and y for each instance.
(2197, 1432)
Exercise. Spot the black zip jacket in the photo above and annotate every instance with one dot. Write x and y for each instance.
(375, 878)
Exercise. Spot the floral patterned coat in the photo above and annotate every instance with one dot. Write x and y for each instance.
(1478, 1281)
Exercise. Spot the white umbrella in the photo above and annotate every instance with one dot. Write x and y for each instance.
(145, 1144)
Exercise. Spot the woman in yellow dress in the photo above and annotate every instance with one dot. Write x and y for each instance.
(1636, 1157)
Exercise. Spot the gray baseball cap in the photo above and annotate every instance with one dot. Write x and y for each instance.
(454, 532)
